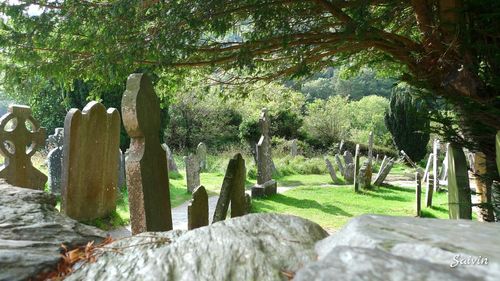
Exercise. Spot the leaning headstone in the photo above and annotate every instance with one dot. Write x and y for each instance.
(331, 170)
(427, 167)
(339, 165)
(172, 167)
(293, 148)
(198, 208)
(384, 172)
(146, 164)
(408, 159)
(54, 168)
(192, 172)
(382, 165)
(121, 170)
(348, 159)
(459, 195)
(265, 185)
(201, 154)
(18, 144)
(435, 168)
(418, 194)
(90, 166)
(356, 168)
(232, 190)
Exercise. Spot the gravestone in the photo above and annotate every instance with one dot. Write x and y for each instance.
(443, 174)
(356, 168)
(146, 164)
(192, 172)
(427, 167)
(54, 160)
(172, 167)
(293, 148)
(331, 170)
(265, 185)
(349, 173)
(384, 172)
(198, 208)
(435, 152)
(341, 146)
(201, 154)
(232, 190)
(348, 159)
(429, 191)
(408, 159)
(90, 166)
(365, 175)
(339, 165)
(459, 195)
(18, 143)
(382, 165)
(121, 170)
(418, 194)
(248, 203)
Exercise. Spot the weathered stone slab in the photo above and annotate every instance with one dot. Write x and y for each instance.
(459, 195)
(293, 148)
(54, 167)
(18, 144)
(418, 194)
(248, 203)
(443, 173)
(383, 173)
(357, 157)
(435, 168)
(201, 153)
(348, 159)
(265, 189)
(373, 247)
(429, 191)
(57, 139)
(32, 231)
(146, 164)
(382, 165)
(340, 165)
(349, 173)
(192, 172)
(122, 178)
(90, 166)
(331, 170)
(232, 190)
(253, 247)
(172, 167)
(365, 175)
(198, 208)
(263, 149)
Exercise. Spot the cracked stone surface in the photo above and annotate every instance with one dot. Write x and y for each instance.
(372, 247)
(251, 247)
(32, 230)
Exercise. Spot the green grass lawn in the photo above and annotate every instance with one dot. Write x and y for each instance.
(332, 207)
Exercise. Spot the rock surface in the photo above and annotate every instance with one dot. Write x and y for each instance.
(397, 248)
(251, 247)
(32, 231)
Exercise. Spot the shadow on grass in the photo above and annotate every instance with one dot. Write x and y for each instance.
(299, 203)
(386, 193)
(398, 188)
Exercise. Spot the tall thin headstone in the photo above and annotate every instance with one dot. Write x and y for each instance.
(293, 148)
(418, 194)
(121, 171)
(265, 185)
(146, 164)
(198, 208)
(435, 152)
(192, 172)
(201, 154)
(54, 160)
(356, 168)
(90, 166)
(443, 173)
(459, 195)
(331, 170)
(339, 165)
(232, 190)
(348, 159)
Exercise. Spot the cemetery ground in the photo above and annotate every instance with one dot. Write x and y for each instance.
(307, 191)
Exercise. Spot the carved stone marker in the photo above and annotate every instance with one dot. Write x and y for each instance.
(18, 143)
(90, 165)
(172, 167)
(146, 164)
(265, 185)
(459, 195)
(293, 148)
(365, 175)
(192, 172)
(54, 160)
(232, 190)
(339, 165)
(348, 159)
(418, 194)
(201, 153)
(198, 208)
(331, 170)
(356, 168)
(349, 173)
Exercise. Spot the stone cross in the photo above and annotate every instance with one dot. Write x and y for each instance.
(418, 193)
(18, 143)
(331, 170)
(201, 154)
(172, 167)
(435, 177)
(459, 195)
(232, 190)
(192, 172)
(293, 148)
(348, 157)
(146, 164)
(198, 208)
(356, 168)
(339, 165)
(90, 166)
